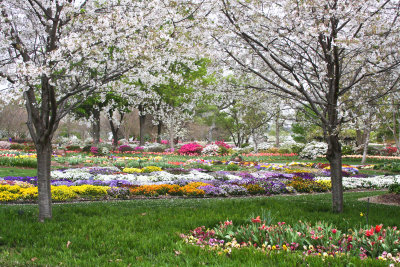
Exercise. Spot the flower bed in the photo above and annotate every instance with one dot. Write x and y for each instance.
(321, 239)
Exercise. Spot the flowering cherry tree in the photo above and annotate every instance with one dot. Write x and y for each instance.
(56, 53)
(313, 52)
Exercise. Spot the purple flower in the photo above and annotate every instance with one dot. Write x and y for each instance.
(210, 190)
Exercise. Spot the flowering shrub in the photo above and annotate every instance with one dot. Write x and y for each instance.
(190, 149)
(389, 151)
(210, 150)
(94, 150)
(313, 149)
(321, 239)
(164, 142)
(125, 148)
(139, 148)
(5, 145)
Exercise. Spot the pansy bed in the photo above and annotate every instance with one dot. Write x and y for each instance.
(152, 181)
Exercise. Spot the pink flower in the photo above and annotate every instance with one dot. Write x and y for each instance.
(228, 223)
(334, 231)
(256, 220)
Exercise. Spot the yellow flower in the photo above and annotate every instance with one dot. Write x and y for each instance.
(273, 247)
(361, 214)
(284, 247)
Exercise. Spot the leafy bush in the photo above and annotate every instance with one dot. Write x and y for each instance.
(347, 150)
(125, 148)
(17, 146)
(190, 149)
(87, 148)
(156, 149)
(272, 150)
(284, 151)
(297, 148)
(394, 188)
(232, 167)
(244, 145)
(73, 148)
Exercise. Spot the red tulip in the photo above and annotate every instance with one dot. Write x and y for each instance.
(256, 220)
(378, 228)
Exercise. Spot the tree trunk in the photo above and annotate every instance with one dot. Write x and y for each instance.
(142, 121)
(159, 129)
(171, 138)
(359, 138)
(277, 131)
(334, 156)
(44, 151)
(366, 142)
(96, 126)
(115, 139)
(210, 131)
(255, 142)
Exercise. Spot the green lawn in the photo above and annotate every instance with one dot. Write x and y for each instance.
(17, 172)
(146, 232)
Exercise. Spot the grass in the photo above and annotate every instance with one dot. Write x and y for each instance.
(17, 172)
(146, 232)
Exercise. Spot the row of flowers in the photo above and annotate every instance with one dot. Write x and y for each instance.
(208, 184)
(321, 239)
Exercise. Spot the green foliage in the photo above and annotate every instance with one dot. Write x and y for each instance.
(299, 133)
(394, 188)
(347, 150)
(133, 238)
(389, 166)
(232, 167)
(17, 146)
(18, 162)
(17, 172)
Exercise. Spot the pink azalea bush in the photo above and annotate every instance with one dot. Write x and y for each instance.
(94, 150)
(125, 148)
(190, 149)
(222, 144)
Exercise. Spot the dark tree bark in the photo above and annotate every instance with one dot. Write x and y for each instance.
(159, 130)
(96, 126)
(277, 130)
(334, 156)
(42, 122)
(115, 128)
(44, 152)
(142, 122)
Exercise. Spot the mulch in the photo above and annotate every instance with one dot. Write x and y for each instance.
(386, 199)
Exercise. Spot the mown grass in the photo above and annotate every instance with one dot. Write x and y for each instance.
(146, 232)
(17, 172)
